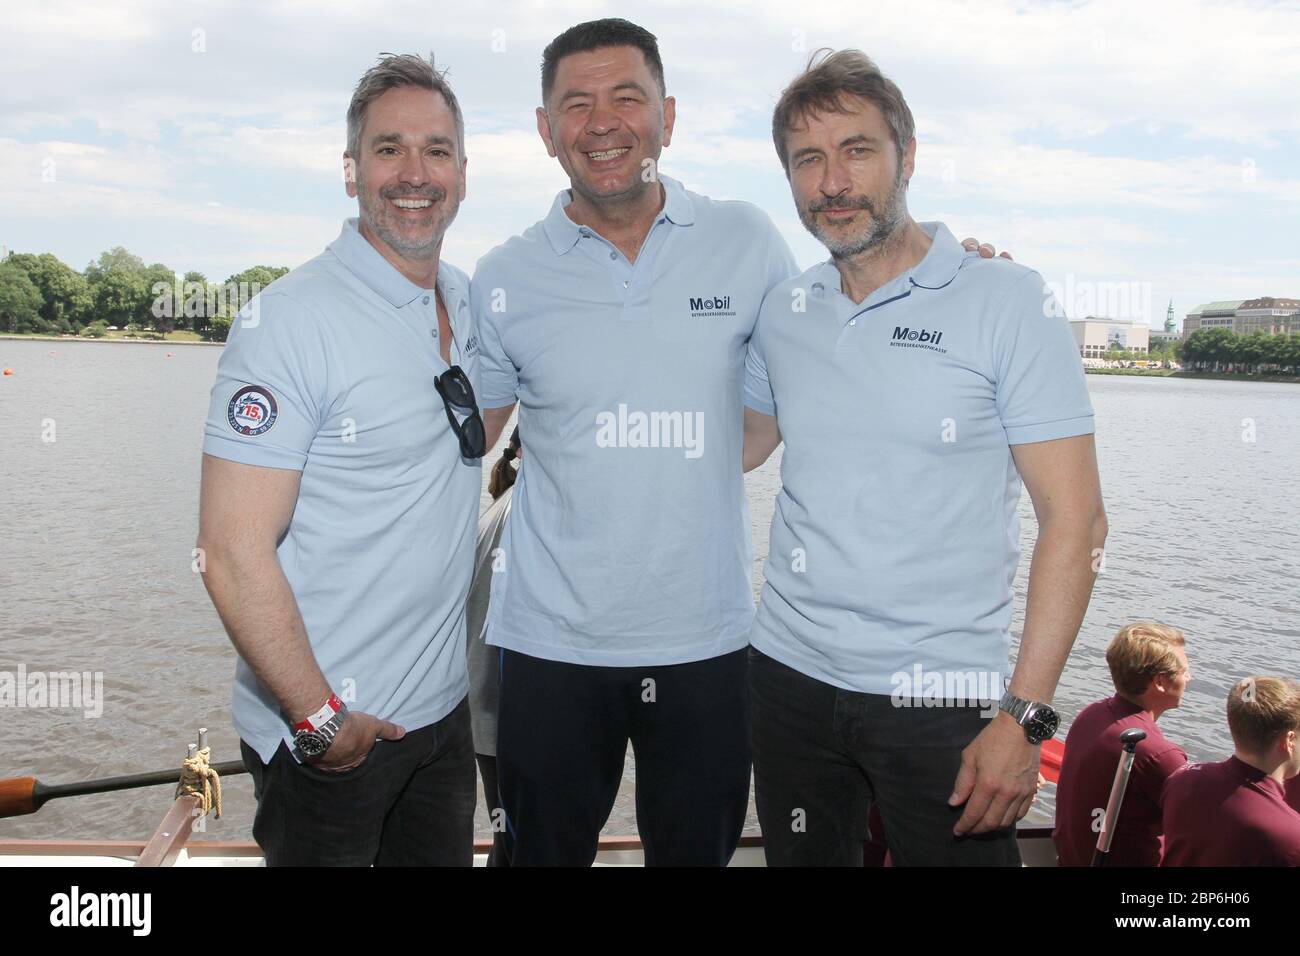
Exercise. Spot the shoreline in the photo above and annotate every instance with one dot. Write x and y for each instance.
(1159, 373)
(1216, 376)
(80, 338)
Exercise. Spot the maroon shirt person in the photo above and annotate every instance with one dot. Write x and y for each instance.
(1148, 666)
(1235, 813)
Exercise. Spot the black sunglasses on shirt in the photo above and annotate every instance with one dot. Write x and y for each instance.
(454, 387)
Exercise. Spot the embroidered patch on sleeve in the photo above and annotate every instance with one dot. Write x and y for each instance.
(252, 410)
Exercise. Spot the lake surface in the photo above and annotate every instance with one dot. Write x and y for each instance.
(97, 528)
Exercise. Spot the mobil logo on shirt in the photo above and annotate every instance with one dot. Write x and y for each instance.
(907, 337)
(710, 306)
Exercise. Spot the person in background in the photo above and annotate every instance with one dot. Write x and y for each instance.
(484, 661)
(1235, 813)
(1148, 666)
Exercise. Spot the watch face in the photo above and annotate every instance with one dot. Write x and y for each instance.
(1042, 724)
(310, 742)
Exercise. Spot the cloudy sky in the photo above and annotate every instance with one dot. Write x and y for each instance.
(1149, 151)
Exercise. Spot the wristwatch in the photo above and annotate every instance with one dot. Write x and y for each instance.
(313, 735)
(1039, 720)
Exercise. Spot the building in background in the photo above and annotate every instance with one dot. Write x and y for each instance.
(1170, 332)
(1094, 336)
(1267, 314)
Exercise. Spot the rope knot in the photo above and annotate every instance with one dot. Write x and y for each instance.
(200, 780)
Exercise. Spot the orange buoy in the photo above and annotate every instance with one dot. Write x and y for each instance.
(9, 371)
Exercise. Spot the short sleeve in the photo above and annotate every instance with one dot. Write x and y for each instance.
(758, 389)
(1041, 391)
(499, 377)
(1155, 771)
(266, 405)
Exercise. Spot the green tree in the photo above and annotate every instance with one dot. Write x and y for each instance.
(1250, 350)
(191, 307)
(216, 328)
(156, 278)
(115, 258)
(120, 295)
(65, 291)
(20, 300)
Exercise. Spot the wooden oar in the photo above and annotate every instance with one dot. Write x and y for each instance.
(21, 795)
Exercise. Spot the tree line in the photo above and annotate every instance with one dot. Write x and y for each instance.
(41, 294)
(1222, 350)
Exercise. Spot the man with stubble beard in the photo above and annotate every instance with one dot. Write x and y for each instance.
(340, 486)
(916, 388)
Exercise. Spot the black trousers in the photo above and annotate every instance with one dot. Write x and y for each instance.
(409, 803)
(563, 731)
(823, 756)
(499, 855)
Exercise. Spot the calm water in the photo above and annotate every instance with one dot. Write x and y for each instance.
(96, 530)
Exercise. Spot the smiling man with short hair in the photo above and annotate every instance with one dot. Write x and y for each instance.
(623, 600)
(340, 485)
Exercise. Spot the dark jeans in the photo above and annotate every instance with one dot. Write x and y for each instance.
(563, 731)
(823, 756)
(409, 803)
(499, 855)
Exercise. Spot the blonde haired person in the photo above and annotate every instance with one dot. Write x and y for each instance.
(1251, 824)
(1148, 666)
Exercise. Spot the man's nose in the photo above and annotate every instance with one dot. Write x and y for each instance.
(413, 169)
(835, 177)
(602, 122)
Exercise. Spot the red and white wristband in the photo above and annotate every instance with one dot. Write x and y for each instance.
(321, 717)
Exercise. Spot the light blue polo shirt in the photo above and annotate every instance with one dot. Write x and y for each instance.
(895, 536)
(331, 373)
(628, 541)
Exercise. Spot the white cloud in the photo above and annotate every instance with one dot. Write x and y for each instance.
(1071, 133)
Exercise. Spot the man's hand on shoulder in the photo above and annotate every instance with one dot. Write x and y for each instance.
(985, 249)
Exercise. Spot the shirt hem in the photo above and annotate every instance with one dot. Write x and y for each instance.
(634, 657)
(262, 456)
(1050, 431)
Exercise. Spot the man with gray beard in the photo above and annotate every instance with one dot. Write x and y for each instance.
(915, 387)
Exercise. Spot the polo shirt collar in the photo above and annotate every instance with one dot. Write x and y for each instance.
(1249, 774)
(365, 261)
(1123, 707)
(942, 261)
(564, 233)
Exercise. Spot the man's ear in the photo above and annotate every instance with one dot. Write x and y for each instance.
(909, 160)
(349, 174)
(464, 164)
(670, 118)
(544, 130)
